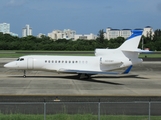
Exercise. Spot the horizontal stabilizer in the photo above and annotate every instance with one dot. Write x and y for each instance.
(138, 51)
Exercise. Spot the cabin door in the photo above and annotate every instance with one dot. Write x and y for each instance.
(100, 60)
(30, 63)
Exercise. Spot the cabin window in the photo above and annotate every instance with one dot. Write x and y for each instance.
(69, 61)
(55, 61)
(59, 61)
(65, 61)
(49, 61)
(45, 61)
(21, 59)
(76, 61)
(52, 61)
(62, 61)
(72, 61)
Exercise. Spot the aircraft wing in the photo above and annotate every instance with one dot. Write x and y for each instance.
(85, 72)
(93, 72)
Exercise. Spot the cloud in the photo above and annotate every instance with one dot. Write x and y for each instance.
(15, 3)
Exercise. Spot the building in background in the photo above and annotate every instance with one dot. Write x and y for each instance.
(148, 30)
(5, 29)
(109, 34)
(26, 31)
(13, 34)
(85, 37)
(40, 35)
(56, 34)
(114, 33)
(125, 33)
(65, 34)
(69, 34)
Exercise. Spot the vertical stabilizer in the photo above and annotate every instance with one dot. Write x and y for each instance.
(133, 41)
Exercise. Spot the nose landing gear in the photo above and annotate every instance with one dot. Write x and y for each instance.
(24, 75)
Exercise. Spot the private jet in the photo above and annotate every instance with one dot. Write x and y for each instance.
(105, 61)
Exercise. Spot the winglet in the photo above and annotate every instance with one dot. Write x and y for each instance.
(127, 70)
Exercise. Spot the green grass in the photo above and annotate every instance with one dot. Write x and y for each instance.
(10, 55)
(150, 55)
(16, 54)
(8, 51)
(74, 117)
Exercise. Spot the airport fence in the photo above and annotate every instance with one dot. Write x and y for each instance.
(97, 109)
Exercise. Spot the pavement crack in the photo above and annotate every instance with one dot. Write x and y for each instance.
(76, 86)
(27, 87)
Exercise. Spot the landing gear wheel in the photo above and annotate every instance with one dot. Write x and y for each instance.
(84, 76)
(88, 76)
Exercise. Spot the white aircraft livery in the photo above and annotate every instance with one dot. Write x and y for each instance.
(104, 61)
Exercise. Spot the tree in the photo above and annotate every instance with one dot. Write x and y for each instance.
(101, 37)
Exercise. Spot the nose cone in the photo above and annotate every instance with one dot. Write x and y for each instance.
(10, 65)
(6, 65)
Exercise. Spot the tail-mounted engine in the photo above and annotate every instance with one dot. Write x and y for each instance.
(108, 61)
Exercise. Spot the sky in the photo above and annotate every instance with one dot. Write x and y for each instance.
(83, 16)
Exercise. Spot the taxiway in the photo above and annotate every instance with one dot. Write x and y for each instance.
(144, 80)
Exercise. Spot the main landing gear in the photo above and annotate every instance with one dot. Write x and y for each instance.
(84, 76)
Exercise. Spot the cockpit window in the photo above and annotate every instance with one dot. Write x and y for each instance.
(21, 59)
(18, 59)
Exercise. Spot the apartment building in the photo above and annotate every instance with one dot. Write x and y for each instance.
(90, 36)
(5, 29)
(114, 33)
(26, 31)
(65, 34)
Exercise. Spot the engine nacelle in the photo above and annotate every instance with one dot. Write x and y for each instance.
(107, 61)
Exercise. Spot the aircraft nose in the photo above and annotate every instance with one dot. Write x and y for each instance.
(10, 65)
(7, 65)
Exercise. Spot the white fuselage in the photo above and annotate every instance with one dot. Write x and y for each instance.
(57, 63)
